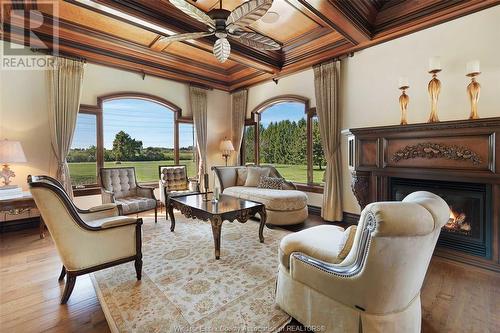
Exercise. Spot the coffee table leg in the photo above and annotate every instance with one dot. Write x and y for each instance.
(263, 217)
(171, 214)
(216, 222)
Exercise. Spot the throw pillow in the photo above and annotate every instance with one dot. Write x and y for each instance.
(346, 244)
(273, 183)
(241, 176)
(254, 174)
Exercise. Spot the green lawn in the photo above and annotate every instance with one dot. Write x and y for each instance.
(298, 173)
(85, 173)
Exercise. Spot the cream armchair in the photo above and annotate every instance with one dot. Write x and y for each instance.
(86, 240)
(368, 281)
(119, 185)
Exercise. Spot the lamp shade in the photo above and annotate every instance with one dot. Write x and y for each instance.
(226, 146)
(11, 152)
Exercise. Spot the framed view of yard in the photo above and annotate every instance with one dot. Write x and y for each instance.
(137, 130)
(284, 132)
(283, 140)
(82, 157)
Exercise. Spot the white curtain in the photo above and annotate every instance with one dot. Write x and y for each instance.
(326, 91)
(198, 101)
(238, 114)
(65, 85)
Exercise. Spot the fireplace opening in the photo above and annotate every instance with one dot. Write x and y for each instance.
(469, 228)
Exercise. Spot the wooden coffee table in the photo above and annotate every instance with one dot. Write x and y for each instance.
(228, 208)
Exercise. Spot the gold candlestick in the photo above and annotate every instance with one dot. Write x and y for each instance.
(404, 99)
(473, 90)
(434, 88)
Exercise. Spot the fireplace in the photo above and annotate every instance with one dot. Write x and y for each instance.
(458, 160)
(469, 227)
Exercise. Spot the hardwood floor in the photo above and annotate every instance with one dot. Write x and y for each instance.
(455, 298)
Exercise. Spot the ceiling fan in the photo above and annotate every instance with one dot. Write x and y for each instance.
(223, 23)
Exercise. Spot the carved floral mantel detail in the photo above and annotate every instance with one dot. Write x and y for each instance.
(436, 150)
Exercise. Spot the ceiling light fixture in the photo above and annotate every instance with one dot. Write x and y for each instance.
(270, 17)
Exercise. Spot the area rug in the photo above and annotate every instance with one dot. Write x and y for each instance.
(183, 287)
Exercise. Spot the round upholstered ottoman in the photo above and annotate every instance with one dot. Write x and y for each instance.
(283, 207)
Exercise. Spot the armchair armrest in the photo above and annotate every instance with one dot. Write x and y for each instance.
(102, 207)
(99, 212)
(113, 222)
(147, 192)
(107, 196)
(287, 185)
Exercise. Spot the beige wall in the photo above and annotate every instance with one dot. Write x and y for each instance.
(369, 94)
(24, 114)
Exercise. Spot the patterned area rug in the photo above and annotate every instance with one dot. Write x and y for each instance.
(183, 287)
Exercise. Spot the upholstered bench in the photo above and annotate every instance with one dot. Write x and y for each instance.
(283, 206)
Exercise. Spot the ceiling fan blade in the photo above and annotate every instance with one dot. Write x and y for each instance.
(256, 40)
(248, 12)
(181, 37)
(193, 11)
(222, 49)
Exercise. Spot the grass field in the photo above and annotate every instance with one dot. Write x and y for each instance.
(85, 173)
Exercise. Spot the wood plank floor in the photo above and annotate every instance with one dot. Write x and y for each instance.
(455, 298)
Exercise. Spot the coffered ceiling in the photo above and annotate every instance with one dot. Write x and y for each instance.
(127, 34)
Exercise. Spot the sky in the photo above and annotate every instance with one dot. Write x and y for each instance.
(153, 123)
(292, 111)
(147, 121)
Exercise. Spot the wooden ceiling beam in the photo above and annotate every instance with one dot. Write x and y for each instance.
(332, 15)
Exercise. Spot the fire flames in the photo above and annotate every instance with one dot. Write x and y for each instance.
(457, 222)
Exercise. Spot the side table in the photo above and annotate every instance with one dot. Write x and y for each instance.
(18, 206)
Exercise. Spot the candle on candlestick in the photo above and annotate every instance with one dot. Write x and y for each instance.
(434, 64)
(473, 67)
(403, 82)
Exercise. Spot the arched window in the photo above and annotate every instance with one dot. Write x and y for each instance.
(284, 132)
(131, 130)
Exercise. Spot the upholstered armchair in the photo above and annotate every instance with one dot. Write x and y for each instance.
(174, 181)
(119, 185)
(86, 240)
(366, 281)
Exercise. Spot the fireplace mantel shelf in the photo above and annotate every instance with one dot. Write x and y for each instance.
(465, 151)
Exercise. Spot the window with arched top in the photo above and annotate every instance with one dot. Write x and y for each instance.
(130, 129)
(284, 132)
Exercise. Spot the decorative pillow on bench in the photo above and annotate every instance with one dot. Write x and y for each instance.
(254, 174)
(273, 183)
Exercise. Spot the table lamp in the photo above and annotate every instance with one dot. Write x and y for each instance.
(10, 152)
(226, 146)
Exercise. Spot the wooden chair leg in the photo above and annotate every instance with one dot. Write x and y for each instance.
(156, 213)
(63, 273)
(68, 288)
(138, 268)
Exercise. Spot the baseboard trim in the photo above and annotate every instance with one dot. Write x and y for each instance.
(350, 218)
(314, 210)
(21, 224)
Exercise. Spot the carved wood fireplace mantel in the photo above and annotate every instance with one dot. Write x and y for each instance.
(465, 152)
